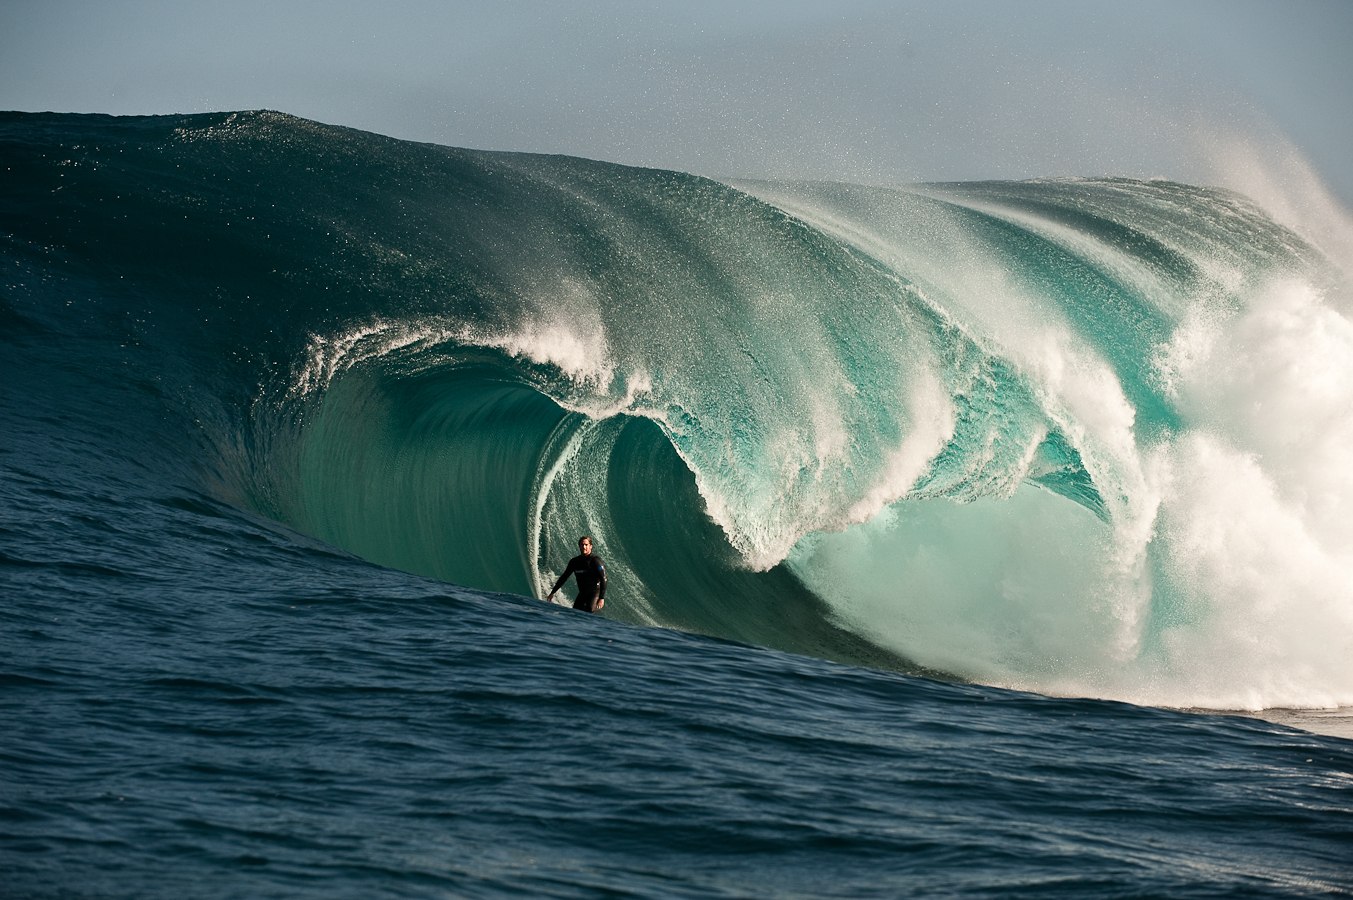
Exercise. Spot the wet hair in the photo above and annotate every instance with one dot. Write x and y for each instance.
(587, 538)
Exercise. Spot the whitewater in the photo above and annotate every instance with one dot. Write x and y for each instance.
(948, 526)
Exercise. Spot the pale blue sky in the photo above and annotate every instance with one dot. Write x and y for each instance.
(848, 89)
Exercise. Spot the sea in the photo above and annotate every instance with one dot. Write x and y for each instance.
(971, 539)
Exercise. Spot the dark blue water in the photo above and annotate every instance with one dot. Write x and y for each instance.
(199, 698)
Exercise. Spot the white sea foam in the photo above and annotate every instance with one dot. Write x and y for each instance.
(579, 351)
(931, 420)
(1256, 527)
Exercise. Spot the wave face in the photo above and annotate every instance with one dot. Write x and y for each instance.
(1084, 437)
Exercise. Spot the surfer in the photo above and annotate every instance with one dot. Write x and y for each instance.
(591, 575)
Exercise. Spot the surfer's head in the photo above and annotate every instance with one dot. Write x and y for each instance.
(585, 545)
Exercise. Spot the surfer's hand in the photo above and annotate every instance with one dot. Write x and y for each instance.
(600, 602)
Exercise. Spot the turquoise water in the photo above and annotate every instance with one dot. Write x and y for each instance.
(300, 419)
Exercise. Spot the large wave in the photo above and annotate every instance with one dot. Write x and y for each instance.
(1076, 436)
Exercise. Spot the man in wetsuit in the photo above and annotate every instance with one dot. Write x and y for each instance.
(591, 575)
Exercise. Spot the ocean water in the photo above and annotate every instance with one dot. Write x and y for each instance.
(963, 539)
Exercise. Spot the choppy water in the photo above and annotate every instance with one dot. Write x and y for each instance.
(297, 419)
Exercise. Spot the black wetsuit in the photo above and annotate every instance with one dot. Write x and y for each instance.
(591, 572)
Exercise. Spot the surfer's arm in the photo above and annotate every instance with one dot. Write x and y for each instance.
(568, 570)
